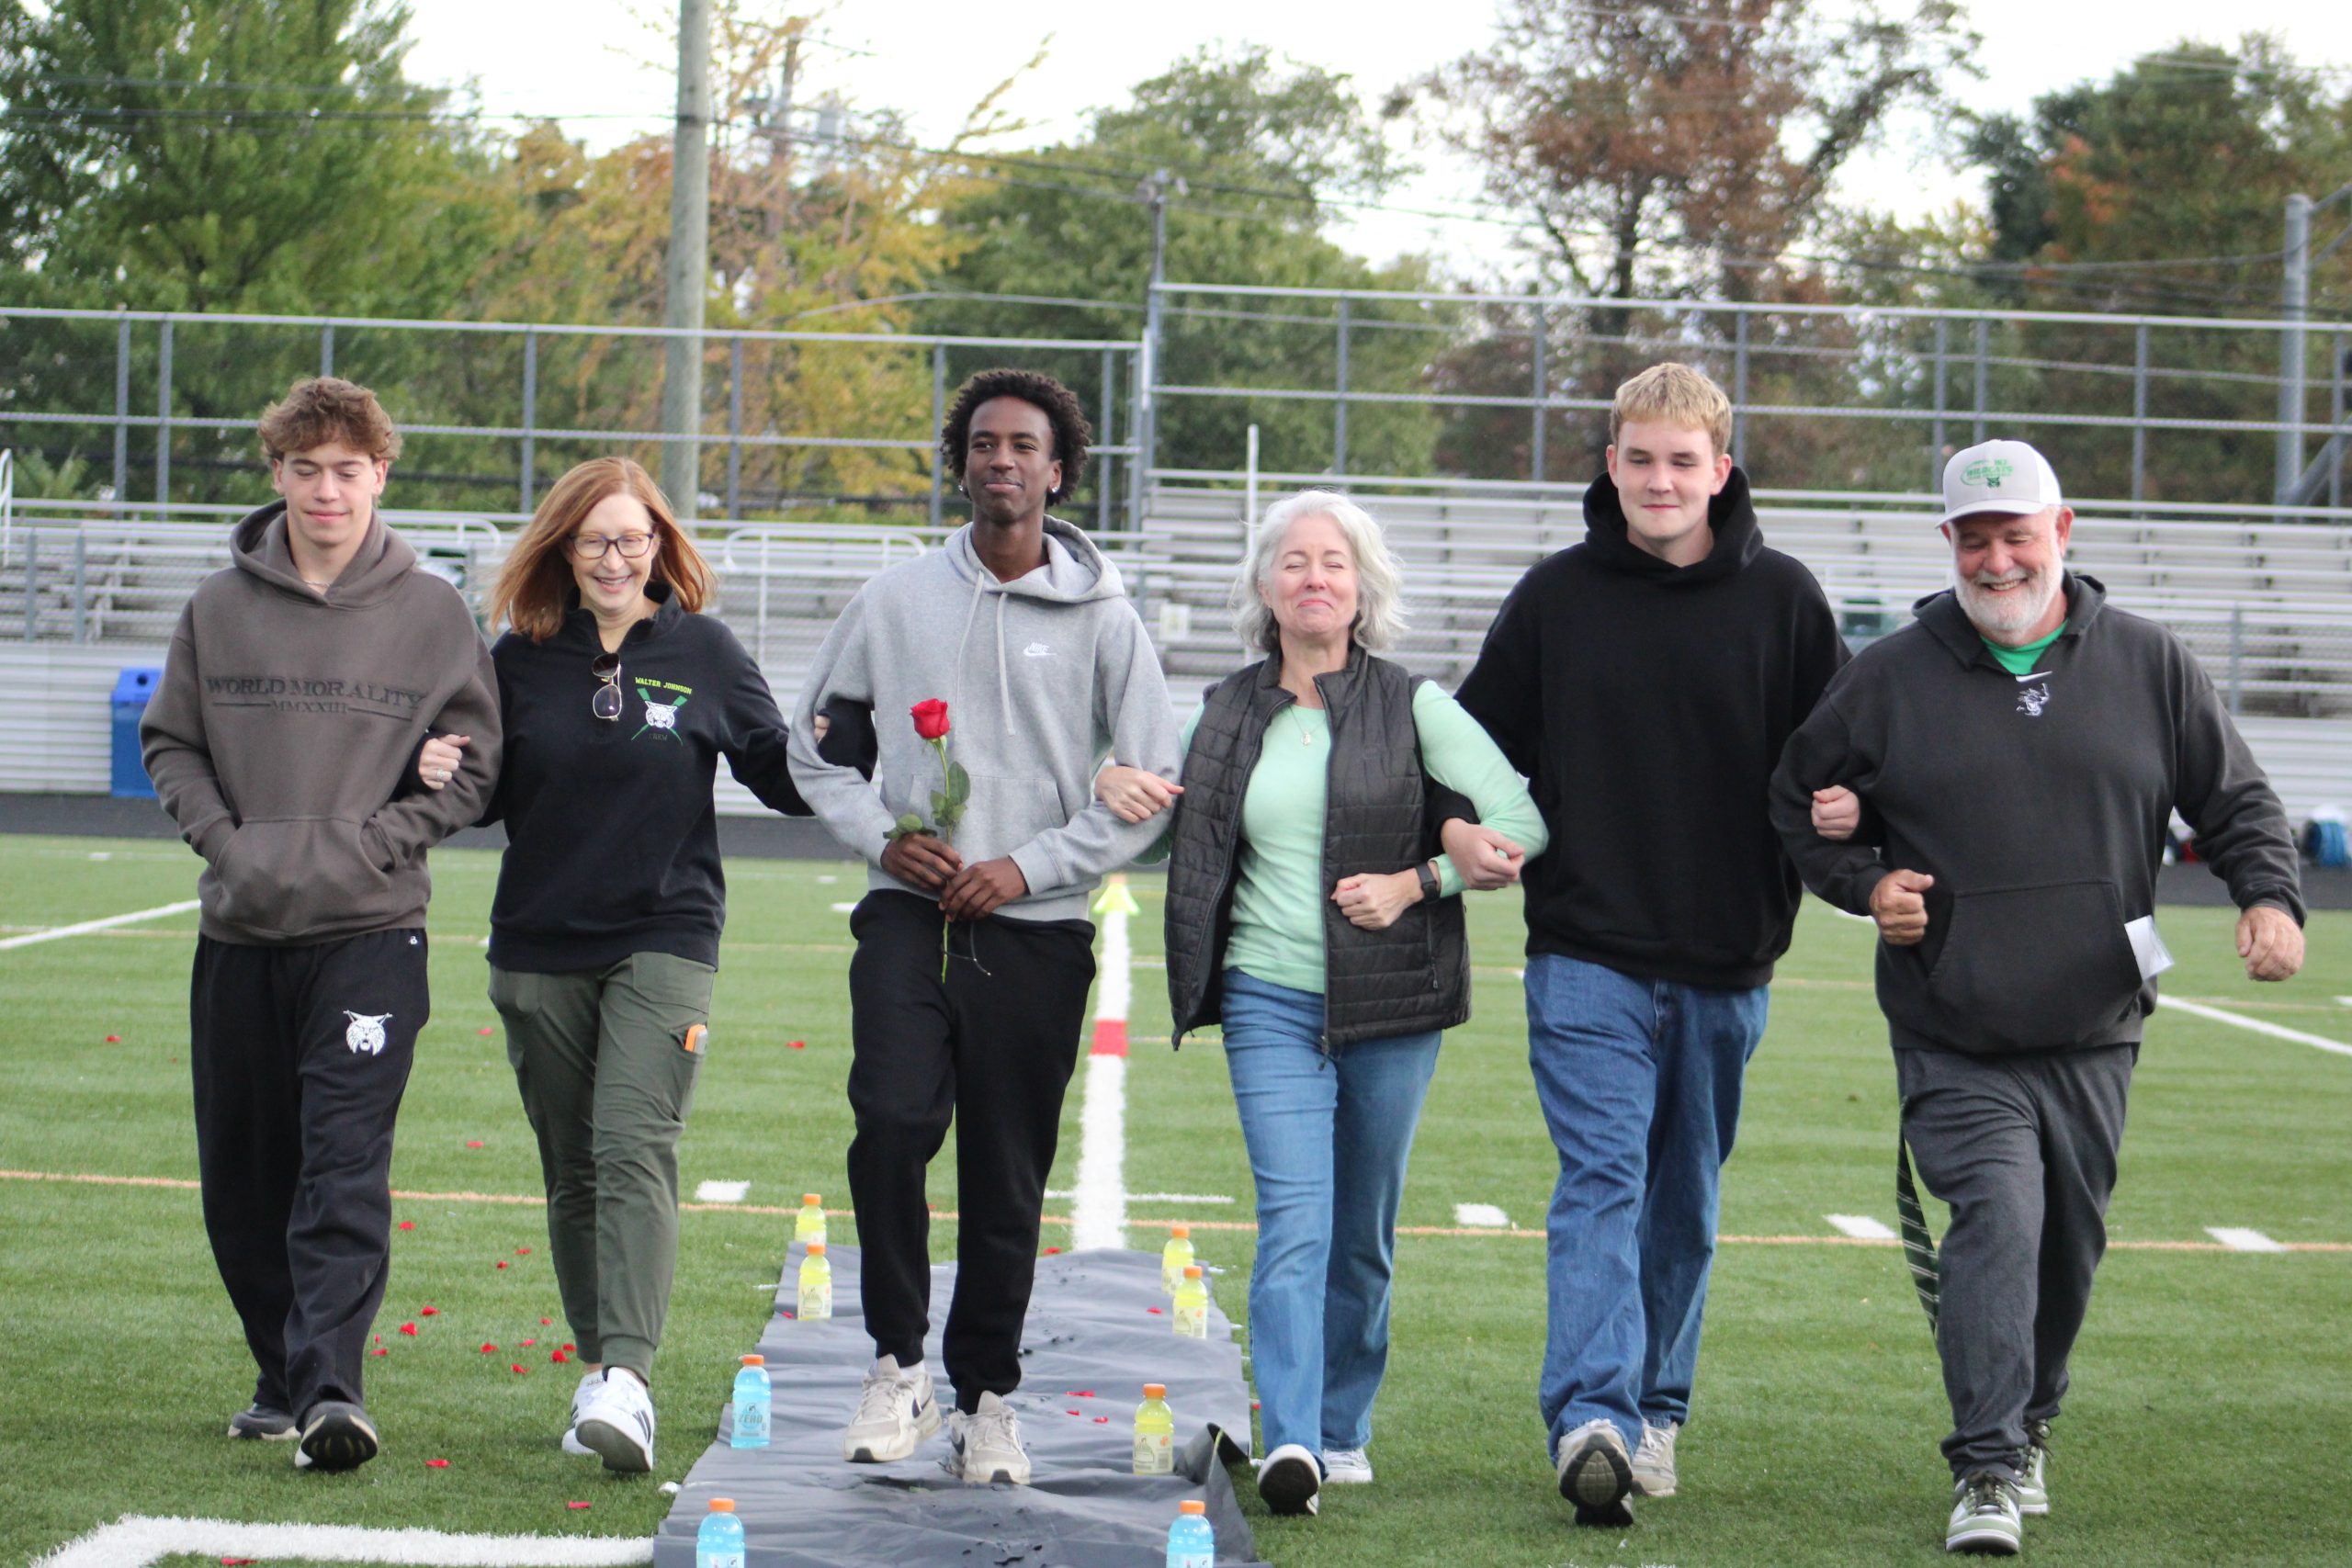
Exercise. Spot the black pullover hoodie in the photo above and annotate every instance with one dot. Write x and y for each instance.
(1647, 705)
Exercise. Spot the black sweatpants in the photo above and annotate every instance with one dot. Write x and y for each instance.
(2023, 1148)
(990, 1048)
(299, 1056)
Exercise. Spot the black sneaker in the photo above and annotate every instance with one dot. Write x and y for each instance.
(258, 1421)
(338, 1436)
(1290, 1480)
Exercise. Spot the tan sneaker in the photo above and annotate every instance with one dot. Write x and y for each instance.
(1653, 1460)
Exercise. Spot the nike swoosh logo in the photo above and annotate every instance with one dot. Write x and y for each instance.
(2037, 675)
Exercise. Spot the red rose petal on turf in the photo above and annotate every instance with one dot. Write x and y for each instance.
(1051, 1250)
(521, 1252)
(234, 1561)
(1254, 1405)
(473, 1143)
(568, 1345)
(518, 1366)
(546, 1323)
(581, 1507)
(114, 1039)
(529, 1343)
(379, 1350)
(408, 1224)
(502, 1263)
(409, 1329)
(488, 1349)
(559, 1356)
(1154, 1310)
(436, 1464)
(482, 1031)
(797, 1044)
(430, 1312)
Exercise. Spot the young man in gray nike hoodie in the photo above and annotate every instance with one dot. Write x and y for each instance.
(968, 991)
(301, 681)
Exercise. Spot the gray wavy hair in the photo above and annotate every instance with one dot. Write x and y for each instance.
(1380, 608)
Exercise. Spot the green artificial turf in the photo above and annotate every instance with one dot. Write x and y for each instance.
(2209, 1418)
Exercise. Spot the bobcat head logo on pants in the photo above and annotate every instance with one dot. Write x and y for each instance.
(365, 1032)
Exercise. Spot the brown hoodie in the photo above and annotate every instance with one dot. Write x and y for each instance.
(285, 720)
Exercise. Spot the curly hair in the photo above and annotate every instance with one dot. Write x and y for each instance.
(1059, 404)
(319, 409)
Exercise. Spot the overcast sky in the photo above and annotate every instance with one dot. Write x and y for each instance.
(597, 65)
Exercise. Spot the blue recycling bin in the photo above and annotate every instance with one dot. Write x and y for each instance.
(131, 690)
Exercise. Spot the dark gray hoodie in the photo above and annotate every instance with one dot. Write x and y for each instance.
(285, 720)
(1043, 677)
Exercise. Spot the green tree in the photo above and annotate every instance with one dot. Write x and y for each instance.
(1249, 154)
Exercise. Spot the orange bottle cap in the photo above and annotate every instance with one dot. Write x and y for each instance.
(1189, 1506)
(755, 1361)
(722, 1504)
(1179, 1230)
(1192, 1270)
(1155, 1390)
(809, 1198)
(816, 1250)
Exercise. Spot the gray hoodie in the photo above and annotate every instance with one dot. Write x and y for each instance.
(285, 720)
(1043, 676)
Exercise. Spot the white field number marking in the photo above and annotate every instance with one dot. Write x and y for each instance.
(722, 1192)
(2239, 1240)
(1861, 1226)
(135, 1540)
(1486, 1215)
(56, 932)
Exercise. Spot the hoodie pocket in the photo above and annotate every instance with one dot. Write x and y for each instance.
(2043, 965)
(293, 874)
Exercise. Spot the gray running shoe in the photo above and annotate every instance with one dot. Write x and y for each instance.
(260, 1422)
(1596, 1475)
(896, 1410)
(985, 1446)
(337, 1435)
(1346, 1467)
(1985, 1516)
(1653, 1460)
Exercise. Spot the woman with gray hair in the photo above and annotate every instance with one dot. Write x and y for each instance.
(1304, 916)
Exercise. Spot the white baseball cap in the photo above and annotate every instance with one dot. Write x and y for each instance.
(2005, 477)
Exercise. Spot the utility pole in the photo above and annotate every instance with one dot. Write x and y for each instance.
(1154, 191)
(2295, 304)
(689, 270)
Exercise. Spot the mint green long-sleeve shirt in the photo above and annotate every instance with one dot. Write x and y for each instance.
(1278, 897)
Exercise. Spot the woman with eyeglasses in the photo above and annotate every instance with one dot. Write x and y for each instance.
(619, 699)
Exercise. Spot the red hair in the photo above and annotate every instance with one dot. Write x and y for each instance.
(532, 586)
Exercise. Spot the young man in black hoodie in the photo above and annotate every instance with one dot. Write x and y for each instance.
(301, 682)
(1645, 682)
(2022, 746)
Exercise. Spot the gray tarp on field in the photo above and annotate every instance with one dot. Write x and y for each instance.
(1092, 1342)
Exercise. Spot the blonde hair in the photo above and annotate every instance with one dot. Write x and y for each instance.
(1380, 610)
(1674, 394)
(530, 594)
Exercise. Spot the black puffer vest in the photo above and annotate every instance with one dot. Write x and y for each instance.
(1410, 978)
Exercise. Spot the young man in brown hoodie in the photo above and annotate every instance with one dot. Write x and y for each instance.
(301, 681)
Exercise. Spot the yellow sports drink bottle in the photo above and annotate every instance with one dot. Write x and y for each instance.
(816, 1296)
(810, 1224)
(1155, 1433)
(1175, 1256)
(1192, 1304)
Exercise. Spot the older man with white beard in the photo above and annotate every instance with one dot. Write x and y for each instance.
(2021, 747)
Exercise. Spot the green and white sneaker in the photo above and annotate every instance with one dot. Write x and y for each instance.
(2033, 1483)
(1985, 1516)
(1653, 1460)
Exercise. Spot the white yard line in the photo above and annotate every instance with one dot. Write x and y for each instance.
(136, 1541)
(2220, 1015)
(1099, 1210)
(2239, 1240)
(722, 1192)
(1861, 1225)
(56, 932)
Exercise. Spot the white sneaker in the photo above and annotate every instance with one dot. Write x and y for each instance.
(1289, 1480)
(1596, 1474)
(2034, 1484)
(1653, 1460)
(985, 1446)
(1985, 1516)
(896, 1410)
(1346, 1467)
(617, 1422)
(589, 1384)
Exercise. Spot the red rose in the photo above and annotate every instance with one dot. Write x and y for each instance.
(931, 718)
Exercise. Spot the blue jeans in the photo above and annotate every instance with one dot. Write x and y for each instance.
(1639, 1081)
(1328, 1137)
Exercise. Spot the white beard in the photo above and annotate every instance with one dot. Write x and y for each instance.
(2002, 616)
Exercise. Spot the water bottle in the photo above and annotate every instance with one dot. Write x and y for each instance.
(720, 1542)
(810, 1224)
(1175, 1256)
(1192, 1313)
(752, 1394)
(1155, 1433)
(816, 1294)
(1191, 1543)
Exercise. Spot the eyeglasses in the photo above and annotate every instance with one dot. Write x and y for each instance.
(606, 703)
(591, 547)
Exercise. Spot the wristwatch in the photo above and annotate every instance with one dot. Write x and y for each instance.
(1429, 891)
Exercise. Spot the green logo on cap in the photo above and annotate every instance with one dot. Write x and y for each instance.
(1988, 472)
